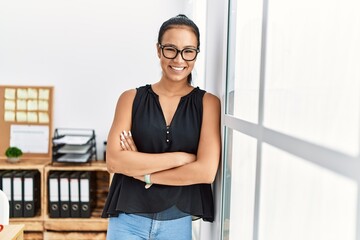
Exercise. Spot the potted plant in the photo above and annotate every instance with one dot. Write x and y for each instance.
(13, 154)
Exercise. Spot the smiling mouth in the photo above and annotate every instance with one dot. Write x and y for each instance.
(177, 68)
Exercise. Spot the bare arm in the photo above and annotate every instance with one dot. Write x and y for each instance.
(204, 169)
(134, 163)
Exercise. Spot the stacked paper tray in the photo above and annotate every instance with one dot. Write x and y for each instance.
(74, 146)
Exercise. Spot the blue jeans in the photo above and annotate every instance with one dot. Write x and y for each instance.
(135, 227)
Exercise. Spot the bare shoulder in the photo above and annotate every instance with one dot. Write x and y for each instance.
(122, 118)
(127, 97)
(211, 101)
(128, 94)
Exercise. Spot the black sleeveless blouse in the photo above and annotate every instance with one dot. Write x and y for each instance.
(151, 135)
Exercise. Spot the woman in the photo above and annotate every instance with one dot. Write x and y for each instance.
(164, 147)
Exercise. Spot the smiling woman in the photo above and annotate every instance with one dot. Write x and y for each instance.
(164, 146)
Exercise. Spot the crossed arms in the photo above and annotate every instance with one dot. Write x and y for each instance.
(170, 168)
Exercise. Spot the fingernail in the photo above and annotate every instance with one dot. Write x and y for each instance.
(122, 143)
(125, 133)
(122, 136)
(130, 134)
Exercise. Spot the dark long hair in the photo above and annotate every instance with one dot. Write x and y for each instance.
(180, 20)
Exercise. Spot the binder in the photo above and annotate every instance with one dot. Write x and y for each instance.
(85, 211)
(7, 187)
(18, 189)
(54, 207)
(1, 176)
(64, 195)
(1, 173)
(1, 185)
(75, 195)
(31, 193)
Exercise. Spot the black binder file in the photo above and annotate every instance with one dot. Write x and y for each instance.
(7, 187)
(75, 194)
(64, 194)
(18, 190)
(1, 176)
(85, 211)
(54, 208)
(31, 193)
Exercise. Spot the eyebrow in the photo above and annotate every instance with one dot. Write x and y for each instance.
(172, 45)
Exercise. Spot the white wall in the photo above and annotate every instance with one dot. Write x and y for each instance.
(90, 51)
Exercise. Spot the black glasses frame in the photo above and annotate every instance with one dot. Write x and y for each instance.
(179, 51)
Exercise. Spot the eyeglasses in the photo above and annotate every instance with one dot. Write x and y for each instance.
(188, 54)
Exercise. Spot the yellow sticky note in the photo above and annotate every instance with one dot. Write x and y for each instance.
(9, 93)
(9, 105)
(21, 105)
(44, 94)
(43, 105)
(32, 117)
(9, 116)
(21, 116)
(22, 93)
(32, 93)
(32, 105)
(43, 117)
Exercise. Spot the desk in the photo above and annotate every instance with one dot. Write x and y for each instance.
(13, 232)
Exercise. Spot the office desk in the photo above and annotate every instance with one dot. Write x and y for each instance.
(13, 232)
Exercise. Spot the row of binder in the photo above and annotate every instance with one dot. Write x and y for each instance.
(22, 187)
(70, 194)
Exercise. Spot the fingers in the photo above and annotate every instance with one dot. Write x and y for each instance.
(127, 142)
(130, 141)
(122, 145)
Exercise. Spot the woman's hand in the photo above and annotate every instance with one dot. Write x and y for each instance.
(127, 142)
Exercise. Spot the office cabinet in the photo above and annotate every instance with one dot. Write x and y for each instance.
(42, 226)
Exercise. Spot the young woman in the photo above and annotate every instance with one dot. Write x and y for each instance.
(164, 147)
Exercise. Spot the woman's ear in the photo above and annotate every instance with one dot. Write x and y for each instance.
(158, 50)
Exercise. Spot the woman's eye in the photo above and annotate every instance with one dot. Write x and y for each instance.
(189, 50)
(170, 49)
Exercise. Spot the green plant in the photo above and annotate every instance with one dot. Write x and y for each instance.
(13, 152)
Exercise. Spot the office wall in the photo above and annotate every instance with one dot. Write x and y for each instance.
(90, 51)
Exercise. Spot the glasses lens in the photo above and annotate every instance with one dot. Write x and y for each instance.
(169, 52)
(189, 54)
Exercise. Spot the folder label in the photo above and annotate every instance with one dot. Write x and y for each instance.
(28, 187)
(17, 189)
(84, 188)
(74, 189)
(54, 190)
(7, 187)
(64, 188)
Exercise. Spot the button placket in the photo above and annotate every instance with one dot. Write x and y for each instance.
(167, 134)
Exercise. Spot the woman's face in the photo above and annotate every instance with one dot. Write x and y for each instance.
(180, 37)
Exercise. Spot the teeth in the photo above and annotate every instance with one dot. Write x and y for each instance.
(178, 68)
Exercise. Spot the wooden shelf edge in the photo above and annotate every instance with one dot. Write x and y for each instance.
(32, 225)
(76, 224)
(74, 235)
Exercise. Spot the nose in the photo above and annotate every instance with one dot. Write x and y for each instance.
(178, 57)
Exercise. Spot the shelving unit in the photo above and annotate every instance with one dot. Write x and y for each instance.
(37, 120)
(42, 226)
(79, 228)
(35, 225)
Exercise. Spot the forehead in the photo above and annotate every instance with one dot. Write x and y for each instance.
(182, 35)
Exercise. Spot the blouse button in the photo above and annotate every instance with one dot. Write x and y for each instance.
(167, 140)
(167, 132)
